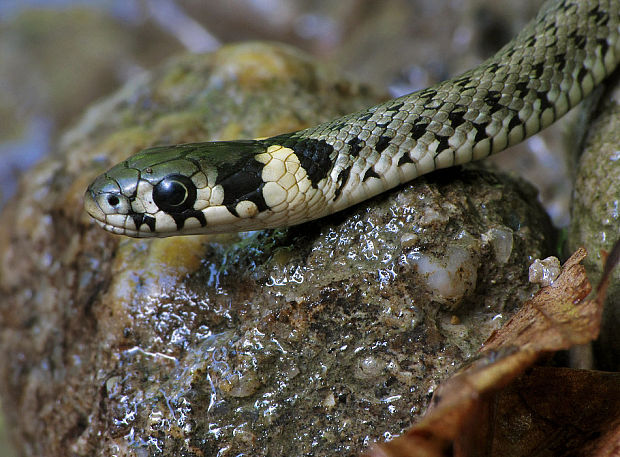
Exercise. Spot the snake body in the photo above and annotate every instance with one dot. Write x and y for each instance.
(556, 60)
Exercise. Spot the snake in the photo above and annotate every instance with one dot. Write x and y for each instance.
(558, 58)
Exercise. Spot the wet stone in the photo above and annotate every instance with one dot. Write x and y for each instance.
(595, 220)
(311, 340)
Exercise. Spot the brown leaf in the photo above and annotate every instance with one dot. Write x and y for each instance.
(556, 317)
(559, 412)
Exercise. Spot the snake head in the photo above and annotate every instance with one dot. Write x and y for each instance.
(202, 188)
(183, 189)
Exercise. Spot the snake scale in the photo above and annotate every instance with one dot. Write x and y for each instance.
(556, 60)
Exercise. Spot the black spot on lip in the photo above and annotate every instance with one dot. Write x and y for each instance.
(179, 219)
(255, 197)
(141, 218)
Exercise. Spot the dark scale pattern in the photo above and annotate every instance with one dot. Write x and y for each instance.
(405, 158)
(382, 144)
(601, 18)
(370, 173)
(356, 146)
(419, 129)
(443, 143)
(343, 177)
(395, 108)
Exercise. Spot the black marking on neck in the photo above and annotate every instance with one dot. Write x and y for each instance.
(578, 40)
(492, 97)
(463, 81)
(245, 184)
(492, 68)
(529, 41)
(314, 155)
(537, 70)
(427, 94)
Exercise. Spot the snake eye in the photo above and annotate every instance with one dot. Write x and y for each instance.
(175, 194)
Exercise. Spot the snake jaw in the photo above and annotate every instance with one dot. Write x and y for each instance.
(92, 208)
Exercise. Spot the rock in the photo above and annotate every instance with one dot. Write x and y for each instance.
(315, 339)
(595, 220)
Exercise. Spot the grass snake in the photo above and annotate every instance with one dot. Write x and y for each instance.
(227, 186)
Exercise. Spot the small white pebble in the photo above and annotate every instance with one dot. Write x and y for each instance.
(451, 278)
(545, 271)
(329, 401)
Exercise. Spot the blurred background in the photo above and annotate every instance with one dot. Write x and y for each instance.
(58, 56)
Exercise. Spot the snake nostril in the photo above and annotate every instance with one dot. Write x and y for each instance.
(113, 200)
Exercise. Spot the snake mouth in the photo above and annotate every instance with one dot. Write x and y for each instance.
(94, 210)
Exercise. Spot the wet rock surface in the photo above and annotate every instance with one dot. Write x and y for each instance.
(596, 212)
(309, 340)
